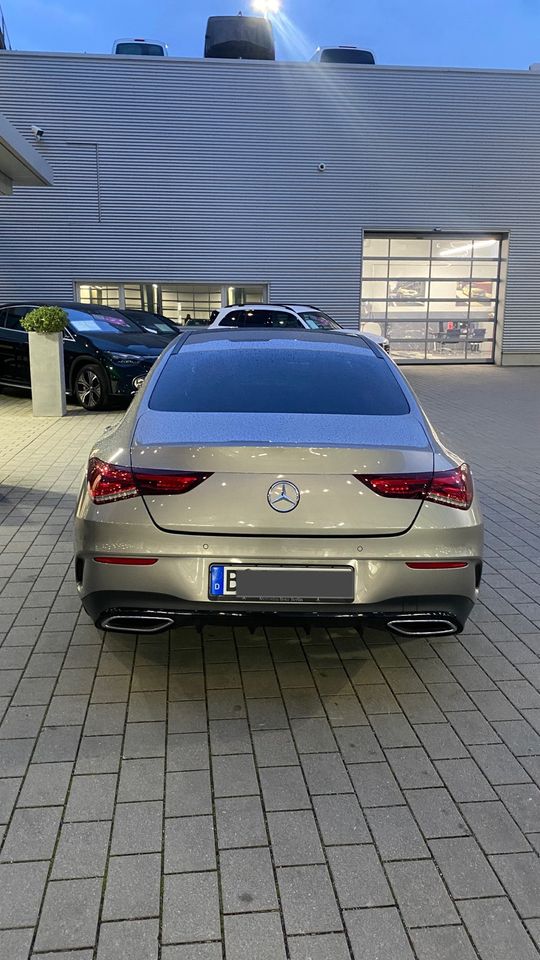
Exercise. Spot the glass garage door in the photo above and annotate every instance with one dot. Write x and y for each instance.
(434, 296)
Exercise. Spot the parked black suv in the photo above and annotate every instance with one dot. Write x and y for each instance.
(106, 354)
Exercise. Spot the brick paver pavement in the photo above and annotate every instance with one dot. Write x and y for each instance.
(282, 794)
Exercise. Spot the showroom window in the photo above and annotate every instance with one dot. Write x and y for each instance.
(434, 296)
(178, 301)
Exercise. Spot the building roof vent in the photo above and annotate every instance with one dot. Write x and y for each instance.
(342, 55)
(239, 38)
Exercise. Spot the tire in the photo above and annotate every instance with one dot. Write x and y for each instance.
(90, 387)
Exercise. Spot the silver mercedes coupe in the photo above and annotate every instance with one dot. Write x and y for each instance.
(276, 474)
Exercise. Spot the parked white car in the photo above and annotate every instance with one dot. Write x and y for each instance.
(283, 316)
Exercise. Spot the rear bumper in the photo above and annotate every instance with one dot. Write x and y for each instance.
(101, 606)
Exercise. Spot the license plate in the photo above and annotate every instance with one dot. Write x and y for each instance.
(284, 584)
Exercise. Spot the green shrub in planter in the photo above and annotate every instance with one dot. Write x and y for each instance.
(45, 320)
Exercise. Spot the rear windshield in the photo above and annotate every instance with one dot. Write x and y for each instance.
(317, 320)
(278, 376)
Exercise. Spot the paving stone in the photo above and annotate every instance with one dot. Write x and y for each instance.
(494, 828)
(377, 698)
(188, 793)
(189, 844)
(32, 691)
(325, 773)
(340, 819)
(15, 944)
(464, 780)
(254, 935)
(344, 711)
(240, 822)
(420, 893)
(21, 889)
(132, 887)
(396, 834)
(394, 731)
(267, 714)
(191, 908)
(377, 934)
(465, 869)
(523, 802)
(436, 813)
(99, 754)
(247, 880)
(234, 776)
(141, 779)
(496, 930)
(358, 745)
(144, 740)
(262, 683)
(274, 748)
(307, 900)
(15, 756)
(440, 741)
(193, 951)
(130, 940)
(303, 703)
(450, 696)
(69, 915)
(375, 784)
(294, 838)
(322, 946)
(498, 764)
(81, 851)
(283, 788)
(45, 784)
(358, 877)
(9, 789)
(420, 708)
(105, 718)
(413, 768)
(137, 828)
(494, 705)
(186, 686)
(57, 744)
(111, 689)
(519, 736)
(32, 834)
(188, 751)
(187, 717)
(520, 874)
(226, 704)
(443, 943)
(229, 736)
(66, 711)
(91, 797)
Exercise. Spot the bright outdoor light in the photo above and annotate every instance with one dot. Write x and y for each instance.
(266, 6)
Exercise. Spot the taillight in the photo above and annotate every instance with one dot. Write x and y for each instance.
(167, 481)
(452, 488)
(108, 482)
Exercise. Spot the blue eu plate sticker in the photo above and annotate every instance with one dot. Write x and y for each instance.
(217, 580)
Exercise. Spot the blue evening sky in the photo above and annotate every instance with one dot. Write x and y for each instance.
(459, 33)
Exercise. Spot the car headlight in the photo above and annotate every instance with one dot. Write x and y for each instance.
(138, 382)
(127, 358)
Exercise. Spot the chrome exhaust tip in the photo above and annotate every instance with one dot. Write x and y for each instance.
(422, 626)
(137, 623)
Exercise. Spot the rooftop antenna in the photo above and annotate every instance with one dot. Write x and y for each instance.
(5, 43)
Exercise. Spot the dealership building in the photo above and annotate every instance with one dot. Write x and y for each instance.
(405, 200)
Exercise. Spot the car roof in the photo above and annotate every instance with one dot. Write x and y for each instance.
(63, 304)
(257, 306)
(298, 335)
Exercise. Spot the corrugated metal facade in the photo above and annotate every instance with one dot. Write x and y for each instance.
(206, 171)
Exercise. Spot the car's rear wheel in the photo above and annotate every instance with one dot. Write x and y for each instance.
(90, 387)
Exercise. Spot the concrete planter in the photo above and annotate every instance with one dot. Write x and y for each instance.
(47, 374)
